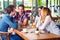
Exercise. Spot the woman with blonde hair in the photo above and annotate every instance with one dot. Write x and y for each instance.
(47, 22)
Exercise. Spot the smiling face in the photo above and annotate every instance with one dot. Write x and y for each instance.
(20, 10)
(44, 12)
(39, 11)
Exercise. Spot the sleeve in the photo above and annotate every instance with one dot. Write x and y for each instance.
(46, 22)
(25, 16)
(10, 23)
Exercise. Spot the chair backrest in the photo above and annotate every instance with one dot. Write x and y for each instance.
(5, 34)
(0, 38)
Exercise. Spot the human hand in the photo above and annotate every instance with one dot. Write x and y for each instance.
(19, 22)
(10, 30)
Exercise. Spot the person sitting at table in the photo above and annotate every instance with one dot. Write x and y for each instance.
(47, 23)
(38, 17)
(21, 16)
(8, 21)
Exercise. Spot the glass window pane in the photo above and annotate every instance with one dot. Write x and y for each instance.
(0, 4)
(10, 2)
(5, 3)
(18, 2)
(28, 4)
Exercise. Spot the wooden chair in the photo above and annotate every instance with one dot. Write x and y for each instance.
(5, 34)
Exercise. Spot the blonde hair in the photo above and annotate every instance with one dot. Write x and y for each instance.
(46, 11)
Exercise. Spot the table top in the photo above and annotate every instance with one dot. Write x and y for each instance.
(33, 36)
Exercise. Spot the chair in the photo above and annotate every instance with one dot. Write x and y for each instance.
(5, 34)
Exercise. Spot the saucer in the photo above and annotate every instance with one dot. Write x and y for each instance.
(36, 32)
(24, 31)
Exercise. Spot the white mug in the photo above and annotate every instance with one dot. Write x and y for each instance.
(37, 32)
(24, 30)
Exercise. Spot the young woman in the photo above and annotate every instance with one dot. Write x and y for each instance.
(38, 18)
(8, 21)
(21, 16)
(47, 23)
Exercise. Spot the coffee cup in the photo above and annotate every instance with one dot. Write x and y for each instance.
(24, 30)
(37, 32)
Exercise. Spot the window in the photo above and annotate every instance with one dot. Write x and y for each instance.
(5, 3)
(10, 2)
(18, 2)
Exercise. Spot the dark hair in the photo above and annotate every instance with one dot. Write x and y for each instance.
(10, 8)
(41, 7)
(21, 5)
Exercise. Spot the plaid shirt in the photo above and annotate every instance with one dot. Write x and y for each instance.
(20, 18)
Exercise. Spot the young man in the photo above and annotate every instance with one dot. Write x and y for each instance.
(21, 16)
(8, 21)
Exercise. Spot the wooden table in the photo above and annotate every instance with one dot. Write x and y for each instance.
(33, 36)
